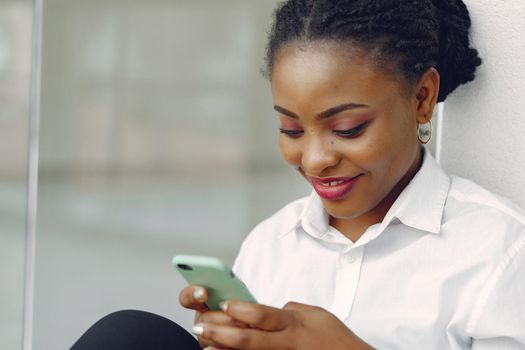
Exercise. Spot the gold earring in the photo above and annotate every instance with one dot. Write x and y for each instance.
(424, 132)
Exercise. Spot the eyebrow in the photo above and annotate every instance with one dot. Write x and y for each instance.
(325, 114)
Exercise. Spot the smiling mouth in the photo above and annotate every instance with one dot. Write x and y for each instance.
(332, 183)
(334, 188)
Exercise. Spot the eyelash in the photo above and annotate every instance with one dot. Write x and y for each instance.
(349, 134)
(291, 133)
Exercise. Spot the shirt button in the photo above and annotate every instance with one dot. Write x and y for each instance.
(350, 258)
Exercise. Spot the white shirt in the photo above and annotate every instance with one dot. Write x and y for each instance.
(445, 269)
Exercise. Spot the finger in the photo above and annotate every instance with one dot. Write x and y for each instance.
(216, 317)
(292, 305)
(222, 318)
(208, 344)
(238, 338)
(194, 297)
(258, 316)
(204, 342)
(212, 346)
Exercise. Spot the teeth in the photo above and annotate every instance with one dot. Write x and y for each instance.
(333, 183)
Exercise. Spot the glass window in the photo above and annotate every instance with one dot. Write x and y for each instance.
(157, 137)
(15, 77)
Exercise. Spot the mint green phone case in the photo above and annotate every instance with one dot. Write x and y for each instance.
(215, 276)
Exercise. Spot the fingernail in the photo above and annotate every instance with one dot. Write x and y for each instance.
(198, 329)
(198, 294)
(223, 305)
(209, 348)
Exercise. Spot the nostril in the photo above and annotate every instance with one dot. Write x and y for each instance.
(319, 164)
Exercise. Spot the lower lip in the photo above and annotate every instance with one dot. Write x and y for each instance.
(335, 192)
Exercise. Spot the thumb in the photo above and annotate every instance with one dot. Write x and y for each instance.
(294, 306)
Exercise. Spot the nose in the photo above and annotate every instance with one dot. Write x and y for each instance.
(318, 155)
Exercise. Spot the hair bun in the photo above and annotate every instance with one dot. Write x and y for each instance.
(457, 61)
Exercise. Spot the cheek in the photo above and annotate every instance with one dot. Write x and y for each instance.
(290, 150)
(381, 150)
(393, 152)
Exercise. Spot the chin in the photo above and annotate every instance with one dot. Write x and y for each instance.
(338, 210)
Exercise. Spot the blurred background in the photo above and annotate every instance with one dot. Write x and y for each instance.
(157, 137)
(15, 85)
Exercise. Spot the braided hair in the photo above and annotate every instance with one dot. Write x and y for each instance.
(416, 34)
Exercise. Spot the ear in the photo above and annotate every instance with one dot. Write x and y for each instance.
(426, 95)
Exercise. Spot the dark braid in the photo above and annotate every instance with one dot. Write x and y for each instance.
(416, 34)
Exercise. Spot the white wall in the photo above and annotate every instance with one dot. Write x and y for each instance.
(483, 135)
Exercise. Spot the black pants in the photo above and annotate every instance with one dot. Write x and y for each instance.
(134, 330)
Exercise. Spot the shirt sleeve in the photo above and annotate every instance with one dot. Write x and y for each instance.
(243, 267)
(498, 320)
(240, 262)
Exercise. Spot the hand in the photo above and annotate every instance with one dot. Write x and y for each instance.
(295, 327)
(194, 298)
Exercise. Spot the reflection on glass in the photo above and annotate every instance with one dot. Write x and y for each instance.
(157, 137)
(15, 62)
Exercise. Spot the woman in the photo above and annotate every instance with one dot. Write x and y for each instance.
(388, 251)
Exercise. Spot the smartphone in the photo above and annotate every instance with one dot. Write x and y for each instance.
(214, 275)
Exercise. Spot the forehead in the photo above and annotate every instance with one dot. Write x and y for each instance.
(327, 72)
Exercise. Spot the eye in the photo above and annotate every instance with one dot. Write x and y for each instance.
(291, 133)
(352, 133)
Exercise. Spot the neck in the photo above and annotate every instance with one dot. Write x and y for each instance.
(356, 227)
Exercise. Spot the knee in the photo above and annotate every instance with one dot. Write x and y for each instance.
(135, 329)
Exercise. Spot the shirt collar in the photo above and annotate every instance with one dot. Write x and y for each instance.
(420, 205)
(314, 219)
(422, 202)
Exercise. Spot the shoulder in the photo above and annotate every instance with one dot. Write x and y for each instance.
(282, 222)
(465, 196)
(494, 228)
(478, 215)
(262, 250)
(261, 242)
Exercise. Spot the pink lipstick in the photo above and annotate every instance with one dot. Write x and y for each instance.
(333, 188)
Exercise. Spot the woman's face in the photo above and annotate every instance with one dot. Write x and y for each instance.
(348, 127)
